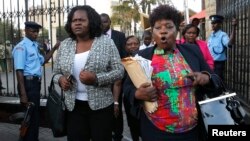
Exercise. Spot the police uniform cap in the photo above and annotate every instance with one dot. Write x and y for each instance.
(32, 25)
(216, 18)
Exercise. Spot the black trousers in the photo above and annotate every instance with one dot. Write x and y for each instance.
(118, 122)
(32, 88)
(219, 68)
(133, 122)
(84, 124)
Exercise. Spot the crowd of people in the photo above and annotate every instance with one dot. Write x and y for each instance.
(88, 69)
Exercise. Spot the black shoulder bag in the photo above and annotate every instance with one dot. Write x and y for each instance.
(56, 111)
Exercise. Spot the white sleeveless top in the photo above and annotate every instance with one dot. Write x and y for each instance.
(79, 63)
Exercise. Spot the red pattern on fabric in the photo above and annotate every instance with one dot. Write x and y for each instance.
(177, 110)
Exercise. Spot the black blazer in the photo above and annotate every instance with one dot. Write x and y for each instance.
(119, 40)
(194, 58)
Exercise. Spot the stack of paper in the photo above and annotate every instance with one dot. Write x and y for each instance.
(139, 71)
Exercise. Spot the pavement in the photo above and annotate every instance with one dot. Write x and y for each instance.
(10, 132)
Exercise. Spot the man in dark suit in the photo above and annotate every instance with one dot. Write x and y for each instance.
(119, 40)
(117, 36)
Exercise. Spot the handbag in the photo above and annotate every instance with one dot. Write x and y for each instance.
(224, 109)
(56, 111)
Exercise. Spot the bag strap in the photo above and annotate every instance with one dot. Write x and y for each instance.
(52, 87)
(220, 83)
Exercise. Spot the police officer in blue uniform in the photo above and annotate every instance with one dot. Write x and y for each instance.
(218, 42)
(28, 65)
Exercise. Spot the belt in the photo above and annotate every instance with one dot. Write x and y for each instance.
(31, 77)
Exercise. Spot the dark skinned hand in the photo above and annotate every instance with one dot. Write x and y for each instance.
(87, 77)
(64, 83)
(234, 22)
(24, 100)
(146, 92)
(198, 78)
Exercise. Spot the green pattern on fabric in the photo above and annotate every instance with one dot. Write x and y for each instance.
(173, 99)
(184, 72)
(159, 51)
(165, 76)
(170, 128)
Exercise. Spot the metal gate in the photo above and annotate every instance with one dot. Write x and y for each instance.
(51, 14)
(238, 64)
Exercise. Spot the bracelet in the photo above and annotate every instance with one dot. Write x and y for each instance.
(116, 103)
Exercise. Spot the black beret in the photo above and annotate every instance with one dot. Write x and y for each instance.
(33, 25)
(216, 18)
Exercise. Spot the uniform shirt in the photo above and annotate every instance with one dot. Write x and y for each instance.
(27, 57)
(217, 44)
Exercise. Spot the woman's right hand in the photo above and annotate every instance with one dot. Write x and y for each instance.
(64, 83)
(146, 92)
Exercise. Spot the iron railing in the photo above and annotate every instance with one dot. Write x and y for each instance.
(238, 64)
(51, 14)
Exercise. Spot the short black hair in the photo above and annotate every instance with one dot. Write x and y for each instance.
(146, 33)
(131, 36)
(95, 26)
(165, 12)
(105, 15)
(195, 19)
(188, 26)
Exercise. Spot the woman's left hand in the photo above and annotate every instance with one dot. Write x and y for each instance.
(199, 78)
(87, 77)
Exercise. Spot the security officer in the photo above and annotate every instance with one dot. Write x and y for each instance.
(218, 42)
(28, 65)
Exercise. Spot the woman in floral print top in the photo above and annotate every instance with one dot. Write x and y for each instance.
(180, 73)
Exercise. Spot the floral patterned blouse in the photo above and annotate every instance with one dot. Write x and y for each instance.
(177, 108)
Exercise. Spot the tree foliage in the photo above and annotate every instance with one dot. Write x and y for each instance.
(61, 33)
(124, 14)
(129, 10)
(7, 31)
